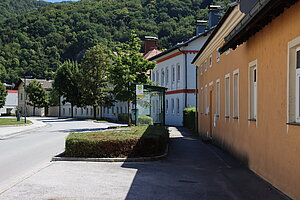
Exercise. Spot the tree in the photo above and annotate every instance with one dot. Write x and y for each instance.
(66, 83)
(94, 82)
(3, 94)
(37, 95)
(129, 67)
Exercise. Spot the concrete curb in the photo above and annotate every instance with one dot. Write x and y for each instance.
(141, 159)
(21, 131)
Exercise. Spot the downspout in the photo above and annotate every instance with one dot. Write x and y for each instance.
(196, 117)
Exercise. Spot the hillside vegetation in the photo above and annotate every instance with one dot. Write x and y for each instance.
(36, 42)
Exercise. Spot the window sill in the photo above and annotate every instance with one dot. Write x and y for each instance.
(293, 123)
(252, 120)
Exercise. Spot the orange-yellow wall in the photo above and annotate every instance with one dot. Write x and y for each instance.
(270, 146)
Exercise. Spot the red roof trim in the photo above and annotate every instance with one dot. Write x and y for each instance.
(181, 91)
(12, 91)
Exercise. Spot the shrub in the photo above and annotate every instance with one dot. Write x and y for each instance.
(189, 118)
(123, 117)
(145, 120)
(140, 141)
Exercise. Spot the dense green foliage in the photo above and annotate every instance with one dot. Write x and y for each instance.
(37, 42)
(3, 94)
(38, 96)
(139, 141)
(11, 8)
(13, 121)
(189, 118)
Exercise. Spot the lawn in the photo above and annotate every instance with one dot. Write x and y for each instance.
(12, 121)
(136, 141)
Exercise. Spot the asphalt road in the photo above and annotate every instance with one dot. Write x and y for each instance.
(26, 153)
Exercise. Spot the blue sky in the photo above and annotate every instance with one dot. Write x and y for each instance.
(59, 0)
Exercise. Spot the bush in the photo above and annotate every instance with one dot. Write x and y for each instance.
(189, 118)
(123, 118)
(139, 141)
(145, 120)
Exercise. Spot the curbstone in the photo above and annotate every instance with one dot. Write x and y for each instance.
(141, 159)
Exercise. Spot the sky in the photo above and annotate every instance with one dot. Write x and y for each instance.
(59, 0)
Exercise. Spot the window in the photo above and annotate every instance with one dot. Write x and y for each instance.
(227, 95)
(75, 111)
(297, 85)
(178, 106)
(167, 105)
(173, 74)
(218, 55)
(162, 77)
(218, 97)
(81, 111)
(210, 61)
(236, 94)
(178, 72)
(157, 107)
(173, 105)
(117, 110)
(153, 78)
(167, 75)
(104, 110)
(201, 101)
(64, 111)
(153, 106)
(113, 110)
(201, 69)
(91, 111)
(253, 90)
(205, 66)
(69, 111)
(157, 77)
(87, 111)
(205, 100)
(21, 97)
(121, 109)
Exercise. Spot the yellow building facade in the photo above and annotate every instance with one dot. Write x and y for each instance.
(249, 98)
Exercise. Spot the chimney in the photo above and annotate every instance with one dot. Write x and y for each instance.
(201, 26)
(150, 43)
(213, 15)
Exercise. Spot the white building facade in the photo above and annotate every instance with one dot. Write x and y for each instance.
(175, 72)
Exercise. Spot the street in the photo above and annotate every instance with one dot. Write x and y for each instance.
(24, 154)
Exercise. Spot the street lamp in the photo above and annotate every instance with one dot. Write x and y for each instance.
(25, 96)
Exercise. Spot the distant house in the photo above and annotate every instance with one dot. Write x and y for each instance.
(174, 70)
(47, 85)
(11, 103)
(249, 81)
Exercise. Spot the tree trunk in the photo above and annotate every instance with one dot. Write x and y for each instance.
(128, 111)
(95, 112)
(33, 110)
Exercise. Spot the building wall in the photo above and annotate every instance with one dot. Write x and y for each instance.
(268, 145)
(182, 89)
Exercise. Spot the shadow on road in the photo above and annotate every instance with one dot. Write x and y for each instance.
(194, 170)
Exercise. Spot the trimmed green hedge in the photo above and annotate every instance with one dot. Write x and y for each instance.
(145, 120)
(139, 141)
(189, 118)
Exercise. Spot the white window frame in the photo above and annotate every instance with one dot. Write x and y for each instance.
(201, 69)
(157, 76)
(153, 76)
(162, 77)
(218, 56)
(252, 99)
(178, 72)
(297, 89)
(205, 66)
(218, 95)
(167, 106)
(178, 105)
(173, 76)
(167, 76)
(210, 61)
(227, 96)
(236, 93)
(173, 105)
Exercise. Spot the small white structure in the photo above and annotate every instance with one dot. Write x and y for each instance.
(11, 103)
(175, 72)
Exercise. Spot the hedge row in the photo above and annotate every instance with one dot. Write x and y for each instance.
(141, 141)
(189, 118)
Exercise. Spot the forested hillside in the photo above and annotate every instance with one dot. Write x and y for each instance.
(10, 8)
(36, 42)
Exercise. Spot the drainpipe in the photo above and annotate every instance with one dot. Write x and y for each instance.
(196, 117)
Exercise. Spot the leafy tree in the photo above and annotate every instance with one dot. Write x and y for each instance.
(37, 95)
(66, 83)
(94, 82)
(129, 67)
(3, 94)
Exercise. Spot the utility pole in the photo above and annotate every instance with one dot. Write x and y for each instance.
(25, 96)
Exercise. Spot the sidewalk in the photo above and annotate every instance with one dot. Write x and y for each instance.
(193, 170)
(6, 131)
